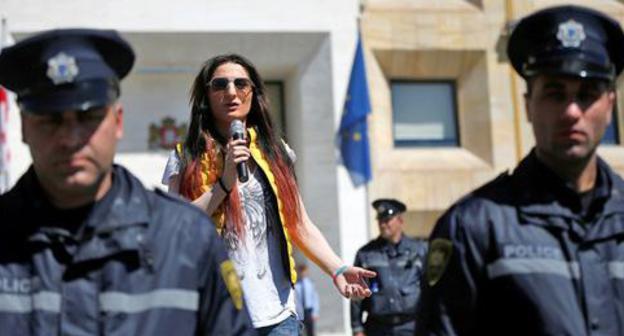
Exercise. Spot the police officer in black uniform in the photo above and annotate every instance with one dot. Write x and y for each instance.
(540, 251)
(398, 261)
(85, 249)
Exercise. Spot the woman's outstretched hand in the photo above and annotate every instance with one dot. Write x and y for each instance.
(351, 282)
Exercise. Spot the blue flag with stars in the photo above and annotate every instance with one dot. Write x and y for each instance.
(353, 131)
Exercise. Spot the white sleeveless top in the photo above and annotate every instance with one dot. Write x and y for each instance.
(268, 293)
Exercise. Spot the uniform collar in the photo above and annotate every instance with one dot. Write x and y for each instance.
(545, 200)
(113, 225)
(543, 192)
(124, 205)
(392, 248)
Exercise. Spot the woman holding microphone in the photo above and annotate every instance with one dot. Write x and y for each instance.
(259, 218)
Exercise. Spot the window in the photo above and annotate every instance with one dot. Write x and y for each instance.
(612, 136)
(275, 94)
(424, 113)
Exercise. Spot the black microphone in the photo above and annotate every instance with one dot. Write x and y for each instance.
(237, 130)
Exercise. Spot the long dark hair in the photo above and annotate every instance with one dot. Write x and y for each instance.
(202, 135)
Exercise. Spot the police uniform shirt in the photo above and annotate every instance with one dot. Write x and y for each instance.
(585, 204)
(518, 257)
(397, 285)
(146, 264)
(63, 228)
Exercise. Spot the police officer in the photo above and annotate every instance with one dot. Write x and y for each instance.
(84, 248)
(398, 261)
(540, 251)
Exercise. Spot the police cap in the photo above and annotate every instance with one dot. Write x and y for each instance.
(387, 208)
(567, 40)
(66, 69)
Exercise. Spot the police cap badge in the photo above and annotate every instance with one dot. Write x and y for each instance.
(66, 69)
(567, 40)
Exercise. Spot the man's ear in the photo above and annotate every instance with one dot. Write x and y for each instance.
(118, 120)
(612, 97)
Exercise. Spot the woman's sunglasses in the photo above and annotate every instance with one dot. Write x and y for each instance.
(242, 85)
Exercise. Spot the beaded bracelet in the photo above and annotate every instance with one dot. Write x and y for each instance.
(339, 271)
(222, 185)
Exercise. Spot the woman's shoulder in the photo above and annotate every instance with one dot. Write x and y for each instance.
(174, 164)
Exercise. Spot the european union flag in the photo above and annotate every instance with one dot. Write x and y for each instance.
(353, 132)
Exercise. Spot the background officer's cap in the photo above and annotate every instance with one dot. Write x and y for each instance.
(66, 69)
(567, 40)
(387, 208)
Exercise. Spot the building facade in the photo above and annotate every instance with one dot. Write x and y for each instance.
(448, 109)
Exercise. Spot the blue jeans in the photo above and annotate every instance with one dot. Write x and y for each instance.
(289, 327)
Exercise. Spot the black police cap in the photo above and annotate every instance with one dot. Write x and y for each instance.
(387, 208)
(567, 40)
(66, 69)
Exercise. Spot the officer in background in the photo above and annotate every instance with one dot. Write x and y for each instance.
(85, 249)
(307, 303)
(398, 261)
(540, 251)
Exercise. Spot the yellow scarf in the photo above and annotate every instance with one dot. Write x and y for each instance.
(210, 172)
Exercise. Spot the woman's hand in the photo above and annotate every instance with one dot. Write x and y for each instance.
(351, 282)
(236, 151)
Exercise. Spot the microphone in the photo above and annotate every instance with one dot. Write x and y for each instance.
(237, 131)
